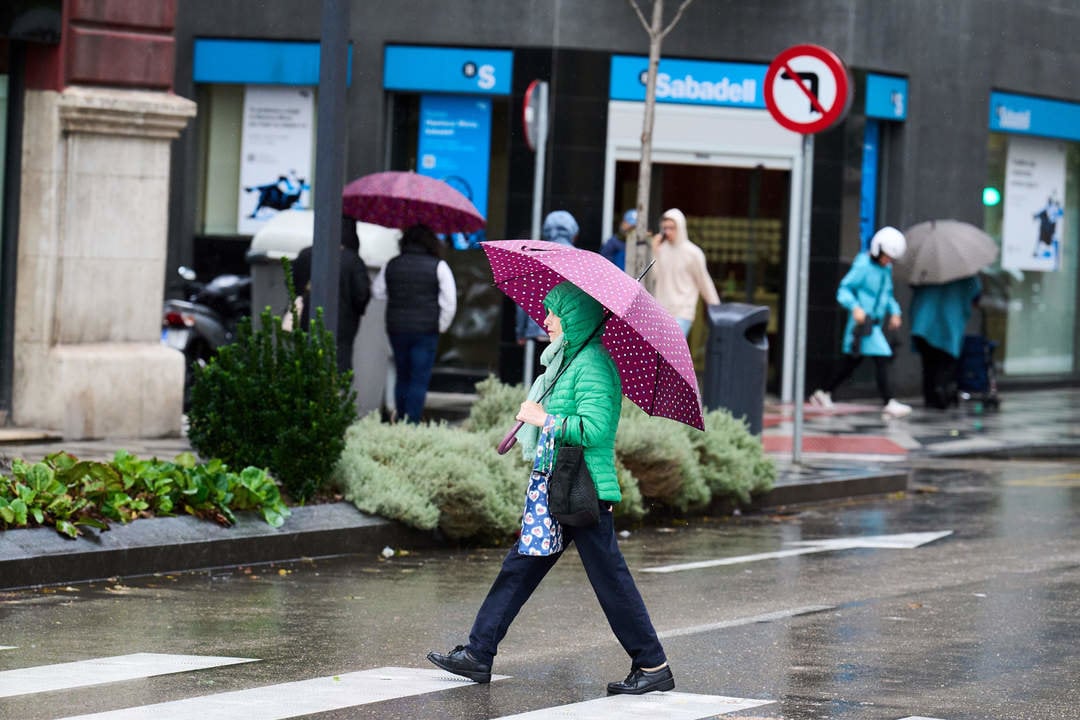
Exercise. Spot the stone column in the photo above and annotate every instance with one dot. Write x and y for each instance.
(91, 268)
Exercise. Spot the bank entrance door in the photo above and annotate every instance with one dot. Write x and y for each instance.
(738, 215)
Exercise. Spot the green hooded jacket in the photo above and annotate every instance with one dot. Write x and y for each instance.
(589, 394)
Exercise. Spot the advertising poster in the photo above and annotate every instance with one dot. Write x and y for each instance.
(1033, 223)
(275, 153)
(455, 147)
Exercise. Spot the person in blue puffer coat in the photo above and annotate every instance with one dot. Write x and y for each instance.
(588, 396)
(866, 292)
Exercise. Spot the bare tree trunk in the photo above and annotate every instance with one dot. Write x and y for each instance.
(638, 251)
(638, 248)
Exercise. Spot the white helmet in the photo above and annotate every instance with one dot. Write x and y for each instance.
(890, 241)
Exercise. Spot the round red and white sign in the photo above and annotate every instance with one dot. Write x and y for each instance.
(807, 89)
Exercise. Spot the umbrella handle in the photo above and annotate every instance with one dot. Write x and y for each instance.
(509, 440)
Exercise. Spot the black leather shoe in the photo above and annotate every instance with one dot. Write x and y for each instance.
(639, 682)
(460, 662)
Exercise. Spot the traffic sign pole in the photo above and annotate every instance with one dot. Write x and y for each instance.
(536, 125)
(803, 284)
(807, 90)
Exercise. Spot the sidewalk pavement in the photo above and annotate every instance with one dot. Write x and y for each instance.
(849, 450)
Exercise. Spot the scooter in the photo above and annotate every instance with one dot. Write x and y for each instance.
(206, 320)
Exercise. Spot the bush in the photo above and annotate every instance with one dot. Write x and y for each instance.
(733, 463)
(69, 493)
(451, 479)
(275, 399)
(495, 407)
(434, 477)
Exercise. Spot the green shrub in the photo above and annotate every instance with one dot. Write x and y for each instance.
(660, 455)
(732, 460)
(275, 399)
(496, 405)
(434, 477)
(69, 493)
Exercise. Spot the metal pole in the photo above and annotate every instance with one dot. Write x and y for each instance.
(329, 159)
(538, 201)
(803, 282)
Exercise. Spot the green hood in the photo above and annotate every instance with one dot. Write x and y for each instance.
(579, 313)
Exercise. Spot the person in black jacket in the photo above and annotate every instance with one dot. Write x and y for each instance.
(421, 299)
(354, 290)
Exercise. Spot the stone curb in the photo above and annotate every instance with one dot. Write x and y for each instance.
(41, 556)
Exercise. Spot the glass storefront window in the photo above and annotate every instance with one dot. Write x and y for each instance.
(221, 140)
(470, 349)
(1030, 313)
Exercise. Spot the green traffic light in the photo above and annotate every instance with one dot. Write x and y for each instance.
(991, 196)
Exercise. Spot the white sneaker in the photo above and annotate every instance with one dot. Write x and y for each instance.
(822, 399)
(895, 409)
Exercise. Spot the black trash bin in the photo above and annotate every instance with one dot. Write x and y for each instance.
(736, 360)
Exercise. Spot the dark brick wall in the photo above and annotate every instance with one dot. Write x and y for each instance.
(118, 43)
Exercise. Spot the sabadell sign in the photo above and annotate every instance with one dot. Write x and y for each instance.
(691, 82)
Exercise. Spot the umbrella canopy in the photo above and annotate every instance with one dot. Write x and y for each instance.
(644, 340)
(403, 199)
(939, 251)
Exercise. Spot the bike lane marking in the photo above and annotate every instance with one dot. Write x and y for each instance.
(293, 699)
(667, 705)
(82, 673)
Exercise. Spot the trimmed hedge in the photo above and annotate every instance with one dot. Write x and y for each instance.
(451, 480)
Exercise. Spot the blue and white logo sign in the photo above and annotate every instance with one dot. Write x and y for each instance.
(448, 70)
(886, 97)
(455, 146)
(1034, 116)
(693, 82)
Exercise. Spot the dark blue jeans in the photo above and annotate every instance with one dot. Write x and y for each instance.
(611, 581)
(414, 357)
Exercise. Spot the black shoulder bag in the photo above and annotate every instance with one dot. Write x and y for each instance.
(572, 498)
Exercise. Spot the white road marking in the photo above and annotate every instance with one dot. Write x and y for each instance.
(919, 717)
(63, 676)
(667, 705)
(764, 617)
(7, 647)
(903, 541)
(304, 697)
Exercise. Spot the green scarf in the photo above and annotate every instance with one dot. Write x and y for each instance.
(552, 360)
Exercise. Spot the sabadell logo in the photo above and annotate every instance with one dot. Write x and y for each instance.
(484, 74)
(687, 88)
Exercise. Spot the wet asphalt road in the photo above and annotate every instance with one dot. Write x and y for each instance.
(982, 623)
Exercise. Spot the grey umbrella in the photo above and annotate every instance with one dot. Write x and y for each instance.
(939, 251)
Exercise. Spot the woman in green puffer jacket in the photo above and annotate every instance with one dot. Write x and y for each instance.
(588, 397)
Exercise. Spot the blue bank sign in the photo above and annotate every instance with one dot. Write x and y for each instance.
(415, 68)
(886, 97)
(1028, 115)
(691, 82)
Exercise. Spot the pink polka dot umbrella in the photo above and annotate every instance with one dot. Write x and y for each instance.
(403, 199)
(644, 340)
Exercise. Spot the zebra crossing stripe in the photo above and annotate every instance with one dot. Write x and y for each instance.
(668, 705)
(64, 676)
(293, 699)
